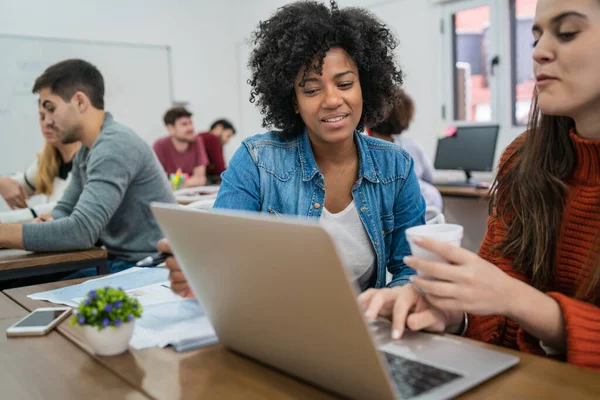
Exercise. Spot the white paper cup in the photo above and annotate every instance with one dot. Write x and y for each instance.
(449, 233)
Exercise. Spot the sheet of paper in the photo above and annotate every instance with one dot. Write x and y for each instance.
(129, 279)
(148, 295)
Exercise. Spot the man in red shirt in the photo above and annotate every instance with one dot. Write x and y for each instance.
(182, 150)
(214, 140)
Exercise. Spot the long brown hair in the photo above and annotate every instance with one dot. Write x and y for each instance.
(49, 160)
(529, 195)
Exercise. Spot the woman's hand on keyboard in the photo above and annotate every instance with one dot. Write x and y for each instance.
(407, 307)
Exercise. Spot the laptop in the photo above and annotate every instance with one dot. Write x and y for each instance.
(275, 290)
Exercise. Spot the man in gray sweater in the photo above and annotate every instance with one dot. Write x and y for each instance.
(115, 175)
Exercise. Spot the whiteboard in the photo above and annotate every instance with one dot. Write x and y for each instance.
(137, 80)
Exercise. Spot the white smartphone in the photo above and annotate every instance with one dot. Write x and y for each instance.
(39, 322)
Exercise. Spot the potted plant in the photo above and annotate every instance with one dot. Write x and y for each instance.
(107, 316)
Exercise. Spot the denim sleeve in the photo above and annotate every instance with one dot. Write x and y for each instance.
(240, 183)
(409, 210)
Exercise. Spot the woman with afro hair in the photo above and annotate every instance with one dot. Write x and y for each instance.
(318, 75)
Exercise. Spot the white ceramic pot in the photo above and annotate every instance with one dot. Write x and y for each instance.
(109, 341)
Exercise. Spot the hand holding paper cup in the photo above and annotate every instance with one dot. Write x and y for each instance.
(449, 233)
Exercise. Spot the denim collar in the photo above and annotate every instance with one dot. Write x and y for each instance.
(366, 168)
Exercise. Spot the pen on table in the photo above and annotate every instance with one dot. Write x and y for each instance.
(148, 261)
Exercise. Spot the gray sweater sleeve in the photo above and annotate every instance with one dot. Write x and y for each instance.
(110, 168)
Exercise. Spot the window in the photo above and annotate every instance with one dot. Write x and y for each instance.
(471, 30)
(469, 52)
(487, 52)
(522, 14)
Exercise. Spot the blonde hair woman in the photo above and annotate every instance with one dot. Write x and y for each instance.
(48, 177)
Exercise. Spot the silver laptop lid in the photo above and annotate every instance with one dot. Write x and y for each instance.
(276, 291)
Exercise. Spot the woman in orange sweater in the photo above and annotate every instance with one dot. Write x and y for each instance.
(535, 285)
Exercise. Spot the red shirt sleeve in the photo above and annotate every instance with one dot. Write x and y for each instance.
(215, 154)
(582, 326)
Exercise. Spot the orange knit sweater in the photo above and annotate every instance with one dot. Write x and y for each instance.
(580, 225)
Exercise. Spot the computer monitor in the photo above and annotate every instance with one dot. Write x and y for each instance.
(471, 148)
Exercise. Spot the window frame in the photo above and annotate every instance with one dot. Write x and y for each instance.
(503, 35)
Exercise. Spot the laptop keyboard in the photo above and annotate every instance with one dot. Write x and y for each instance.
(413, 378)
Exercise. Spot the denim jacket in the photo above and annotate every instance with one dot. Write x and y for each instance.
(280, 176)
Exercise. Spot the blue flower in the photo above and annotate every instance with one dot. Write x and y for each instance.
(92, 294)
(81, 320)
(130, 318)
(108, 308)
(87, 302)
(106, 322)
(135, 306)
(94, 312)
(76, 312)
(118, 322)
(117, 304)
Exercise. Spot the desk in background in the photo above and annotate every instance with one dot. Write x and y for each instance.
(52, 367)
(215, 372)
(467, 206)
(463, 192)
(16, 264)
(187, 196)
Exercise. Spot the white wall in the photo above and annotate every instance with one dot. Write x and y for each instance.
(198, 31)
(208, 57)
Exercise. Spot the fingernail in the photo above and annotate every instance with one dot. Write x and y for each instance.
(407, 259)
(412, 278)
(395, 334)
(418, 239)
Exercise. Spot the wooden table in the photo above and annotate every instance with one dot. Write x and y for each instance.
(52, 367)
(23, 264)
(212, 372)
(462, 191)
(215, 372)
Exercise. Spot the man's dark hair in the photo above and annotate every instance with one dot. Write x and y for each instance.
(224, 123)
(399, 118)
(71, 76)
(173, 114)
(299, 33)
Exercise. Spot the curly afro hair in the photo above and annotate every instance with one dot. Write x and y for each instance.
(302, 32)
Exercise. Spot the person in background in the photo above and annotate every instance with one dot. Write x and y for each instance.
(182, 150)
(48, 176)
(115, 176)
(391, 130)
(318, 74)
(535, 285)
(220, 132)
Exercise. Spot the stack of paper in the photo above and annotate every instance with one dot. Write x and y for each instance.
(168, 319)
(181, 323)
